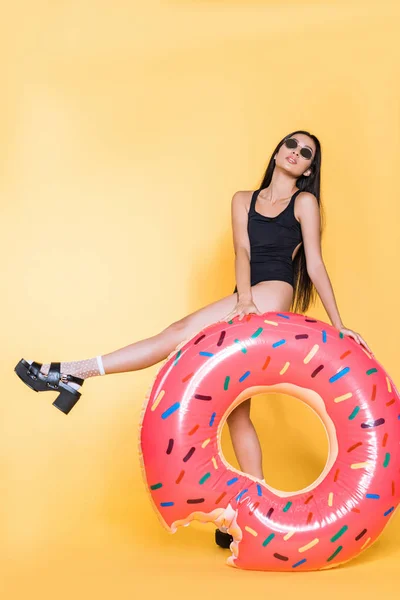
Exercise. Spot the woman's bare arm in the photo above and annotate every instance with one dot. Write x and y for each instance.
(241, 244)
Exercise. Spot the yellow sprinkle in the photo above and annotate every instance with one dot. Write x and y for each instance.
(365, 352)
(250, 530)
(204, 444)
(388, 384)
(288, 535)
(312, 353)
(365, 543)
(214, 462)
(344, 397)
(361, 465)
(330, 499)
(308, 546)
(157, 400)
(271, 322)
(285, 368)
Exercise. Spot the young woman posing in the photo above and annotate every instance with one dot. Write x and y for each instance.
(278, 266)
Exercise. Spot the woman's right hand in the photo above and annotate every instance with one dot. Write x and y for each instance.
(242, 308)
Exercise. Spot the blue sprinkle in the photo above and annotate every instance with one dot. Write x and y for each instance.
(372, 496)
(243, 377)
(206, 354)
(259, 490)
(302, 561)
(281, 315)
(398, 417)
(212, 419)
(339, 375)
(279, 343)
(240, 495)
(232, 481)
(170, 410)
(388, 511)
(167, 504)
(324, 336)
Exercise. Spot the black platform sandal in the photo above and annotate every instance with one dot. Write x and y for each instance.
(223, 539)
(53, 381)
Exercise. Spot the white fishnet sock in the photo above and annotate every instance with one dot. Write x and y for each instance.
(90, 367)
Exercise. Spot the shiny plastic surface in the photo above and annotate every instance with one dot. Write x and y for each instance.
(344, 510)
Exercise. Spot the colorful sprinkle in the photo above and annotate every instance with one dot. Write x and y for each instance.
(299, 563)
(221, 338)
(373, 424)
(181, 474)
(385, 514)
(336, 475)
(354, 413)
(324, 337)
(189, 454)
(267, 361)
(268, 539)
(195, 500)
(231, 481)
(372, 496)
(157, 400)
(257, 332)
(218, 500)
(289, 535)
(170, 446)
(253, 508)
(345, 354)
(269, 513)
(167, 504)
(276, 344)
(177, 357)
(360, 535)
(354, 446)
(280, 557)
(387, 459)
(214, 462)
(250, 530)
(211, 423)
(339, 533)
(206, 354)
(170, 410)
(241, 494)
(309, 518)
(309, 545)
(206, 442)
(308, 499)
(282, 315)
(311, 321)
(373, 395)
(271, 323)
(243, 349)
(156, 486)
(243, 377)
(317, 370)
(338, 549)
(365, 543)
(344, 397)
(339, 375)
(286, 508)
(330, 499)
(392, 401)
(204, 478)
(389, 387)
(193, 430)
(312, 353)
(284, 369)
(202, 397)
(259, 490)
(226, 382)
(370, 371)
(363, 465)
(301, 336)
(199, 339)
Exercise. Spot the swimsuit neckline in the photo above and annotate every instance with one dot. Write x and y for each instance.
(279, 214)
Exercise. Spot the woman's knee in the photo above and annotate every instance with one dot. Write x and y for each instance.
(240, 415)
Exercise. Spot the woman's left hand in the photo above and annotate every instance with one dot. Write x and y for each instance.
(356, 336)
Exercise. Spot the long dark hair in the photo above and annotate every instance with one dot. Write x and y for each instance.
(305, 293)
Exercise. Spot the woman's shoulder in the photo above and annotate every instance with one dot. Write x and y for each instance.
(243, 198)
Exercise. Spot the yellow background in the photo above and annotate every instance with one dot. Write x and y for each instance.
(125, 129)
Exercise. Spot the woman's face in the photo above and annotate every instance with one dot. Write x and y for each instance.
(292, 159)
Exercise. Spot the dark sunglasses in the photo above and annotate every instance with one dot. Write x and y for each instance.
(305, 152)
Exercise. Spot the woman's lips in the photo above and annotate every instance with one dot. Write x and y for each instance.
(292, 160)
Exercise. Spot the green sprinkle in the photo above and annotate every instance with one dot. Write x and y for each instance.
(243, 349)
(370, 371)
(156, 486)
(341, 335)
(387, 459)
(177, 357)
(354, 413)
(288, 505)
(268, 539)
(339, 533)
(226, 382)
(257, 333)
(338, 549)
(230, 322)
(204, 478)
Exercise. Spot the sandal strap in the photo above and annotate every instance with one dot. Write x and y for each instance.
(53, 376)
(34, 368)
(73, 378)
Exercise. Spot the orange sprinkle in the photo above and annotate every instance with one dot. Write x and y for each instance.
(248, 317)
(373, 393)
(308, 499)
(181, 474)
(356, 510)
(390, 402)
(265, 365)
(345, 354)
(393, 488)
(310, 516)
(220, 497)
(336, 475)
(254, 508)
(187, 377)
(354, 446)
(192, 431)
(385, 437)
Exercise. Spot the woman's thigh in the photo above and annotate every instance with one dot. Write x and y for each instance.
(267, 296)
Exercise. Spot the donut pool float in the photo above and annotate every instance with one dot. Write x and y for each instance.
(326, 524)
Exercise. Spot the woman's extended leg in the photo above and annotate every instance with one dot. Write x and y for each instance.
(245, 441)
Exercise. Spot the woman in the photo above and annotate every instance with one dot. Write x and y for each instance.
(278, 267)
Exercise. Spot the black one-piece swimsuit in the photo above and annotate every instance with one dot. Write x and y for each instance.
(272, 243)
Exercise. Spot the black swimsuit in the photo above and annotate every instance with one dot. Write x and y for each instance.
(272, 243)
